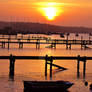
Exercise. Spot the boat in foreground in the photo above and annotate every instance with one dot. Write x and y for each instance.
(44, 86)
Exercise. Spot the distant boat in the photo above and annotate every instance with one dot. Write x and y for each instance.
(62, 35)
(46, 86)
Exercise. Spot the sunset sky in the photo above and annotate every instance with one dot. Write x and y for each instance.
(59, 12)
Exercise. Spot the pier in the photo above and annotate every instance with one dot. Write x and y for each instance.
(48, 60)
(38, 41)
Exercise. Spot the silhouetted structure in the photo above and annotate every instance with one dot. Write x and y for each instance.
(47, 58)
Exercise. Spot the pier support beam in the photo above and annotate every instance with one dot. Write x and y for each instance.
(11, 69)
(68, 46)
(46, 58)
(38, 44)
(84, 67)
(51, 67)
(8, 44)
(20, 45)
(3, 44)
(83, 59)
(78, 66)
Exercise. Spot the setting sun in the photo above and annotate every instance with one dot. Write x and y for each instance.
(50, 10)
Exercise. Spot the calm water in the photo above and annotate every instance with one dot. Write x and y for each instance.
(34, 69)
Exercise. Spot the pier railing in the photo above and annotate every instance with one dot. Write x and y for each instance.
(7, 40)
(52, 42)
(48, 60)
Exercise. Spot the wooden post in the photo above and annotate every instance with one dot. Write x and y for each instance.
(46, 59)
(3, 44)
(84, 67)
(81, 46)
(38, 44)
(70, 46)
(16, 36)
(20, 45)
(89, 38)
(8, 45)
(11, 70)
(8, 42)
(51, 60)
(81, 42)
(9, 37)
(78, 67)
(55, 44)
(67, 44)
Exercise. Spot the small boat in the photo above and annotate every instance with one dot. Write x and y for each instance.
(45, 86)
(62, 35)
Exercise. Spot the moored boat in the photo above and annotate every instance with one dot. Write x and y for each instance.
(62, 35)
(44, 86)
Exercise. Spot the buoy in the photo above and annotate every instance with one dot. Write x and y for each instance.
(86, 83)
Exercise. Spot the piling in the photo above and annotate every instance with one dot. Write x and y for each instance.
(11, 69)
(38, 44)
(84, 67)
(78, 66)
(46, 58)
(70, 46)
(20, 45)
(8, 45)
(3, 44)
(51, 60)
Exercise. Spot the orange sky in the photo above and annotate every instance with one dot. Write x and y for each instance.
(73, 12)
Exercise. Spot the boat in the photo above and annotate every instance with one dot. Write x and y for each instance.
(44, 86)
(62, 35)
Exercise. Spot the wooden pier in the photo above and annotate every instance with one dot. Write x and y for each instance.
(5, 42)
(48, 60)
(51, 42)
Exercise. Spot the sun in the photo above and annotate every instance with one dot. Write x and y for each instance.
(49, 9)
(50, 12)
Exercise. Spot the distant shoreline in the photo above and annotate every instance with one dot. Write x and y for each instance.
(38, 28)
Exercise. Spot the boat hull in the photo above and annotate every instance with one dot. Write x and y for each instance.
(45, 86)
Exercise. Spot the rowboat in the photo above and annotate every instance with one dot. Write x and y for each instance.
(46, 86)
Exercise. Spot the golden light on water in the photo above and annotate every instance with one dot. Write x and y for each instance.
(49, 9)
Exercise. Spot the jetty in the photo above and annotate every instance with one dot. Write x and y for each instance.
(38, 41)
(48, 60)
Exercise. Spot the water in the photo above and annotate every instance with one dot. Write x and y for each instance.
(34, 69)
